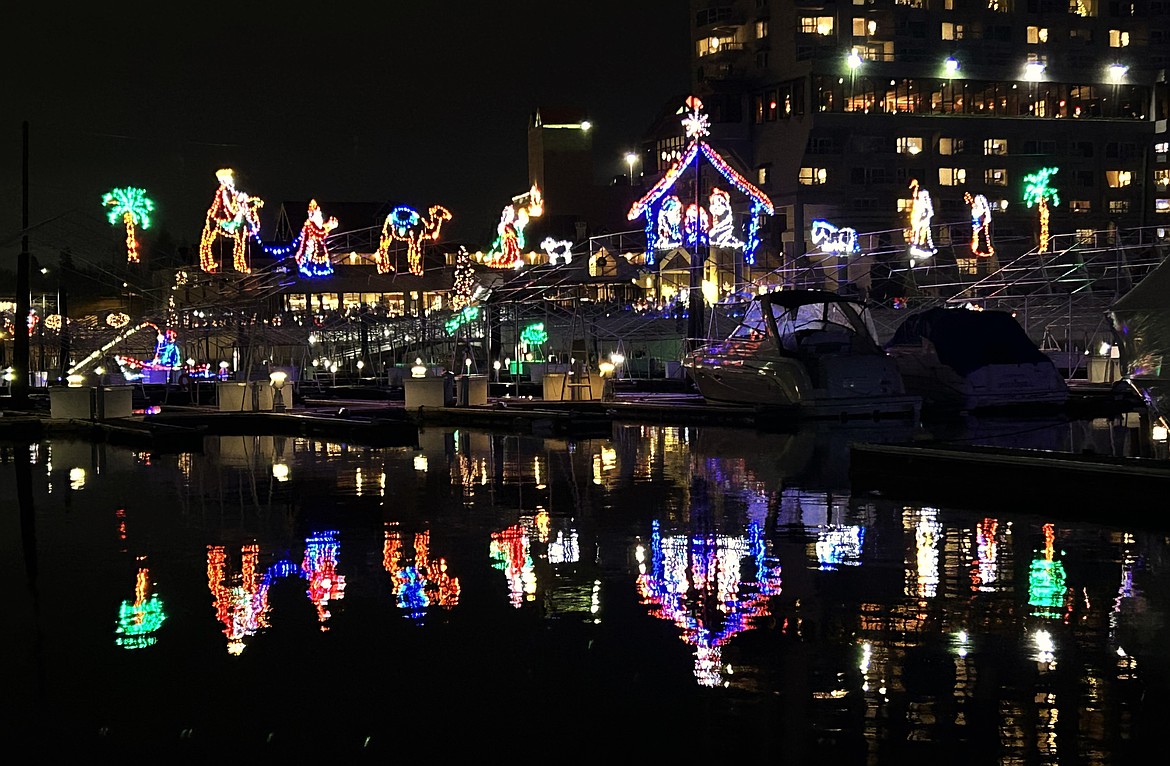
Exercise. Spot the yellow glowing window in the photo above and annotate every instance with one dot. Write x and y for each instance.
(813, 176)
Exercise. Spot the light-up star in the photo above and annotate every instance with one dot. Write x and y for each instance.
(696, 124)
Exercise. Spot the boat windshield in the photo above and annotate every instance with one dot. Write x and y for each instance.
(753, 326)
(843, 320)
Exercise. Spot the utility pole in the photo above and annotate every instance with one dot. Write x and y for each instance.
(20, 371)
(695, 323)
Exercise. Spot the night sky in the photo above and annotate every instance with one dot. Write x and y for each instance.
(424, 104)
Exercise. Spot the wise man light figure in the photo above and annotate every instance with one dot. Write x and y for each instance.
(312, 255)
(921, 213)
(980, 224)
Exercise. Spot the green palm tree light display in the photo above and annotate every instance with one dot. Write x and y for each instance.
(1038, 192)
(131, 207)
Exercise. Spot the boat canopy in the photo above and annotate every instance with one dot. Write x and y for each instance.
(798, 313)
(966, 340)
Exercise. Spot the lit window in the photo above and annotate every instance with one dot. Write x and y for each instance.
(1082, 8)
(1162, 147)
(1116, 179)
(950, 146)
(1118, 206)
(813, 176)
(951, 31)
(1118, 38)
(995, 146)
(859, 26)
(995, 177)
(1162, 178)
(816, 25)
(1162, 205)
(761, 29)
(1037, 35)
(762, 175)
(1081, 206)
(910, 145)
(952, 176)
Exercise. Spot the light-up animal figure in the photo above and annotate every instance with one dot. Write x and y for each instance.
(166, 352)
(558, 250)
(980, 224)
(507, 252)
(405, 224)
(830, 239)
(312, 255)
(232, 215)
(722, 232)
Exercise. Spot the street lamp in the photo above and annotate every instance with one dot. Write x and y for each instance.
(278, 379)
(853, 61)
(631, 158)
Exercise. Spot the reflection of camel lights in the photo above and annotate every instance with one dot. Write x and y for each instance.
(405, 224)
(420, 584)
(700, 583)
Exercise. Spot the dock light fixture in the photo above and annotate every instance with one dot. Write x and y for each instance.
(1158, 433)
(360, 365)
(418, 370)
(278, 379)
(280, 471)
(74, 380)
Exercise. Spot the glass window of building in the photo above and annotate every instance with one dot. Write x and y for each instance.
(1116, 179)
(761, 29)
(1037, 35)
(1118, 206)
(1083, 8)
(816, 25)
(1162, 178)
(813, 176)
(910, 145)
(995, 177)
(1080, 206)
(995, 146)
(952, 176)
(952, 31)
(1118, 38)
(762, 175)
(1162, 205)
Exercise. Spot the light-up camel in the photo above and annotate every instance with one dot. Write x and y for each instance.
(405, 224)
(233, 215)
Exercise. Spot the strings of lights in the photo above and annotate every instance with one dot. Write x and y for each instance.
(131, 207)
(663, 211)
(405, 224)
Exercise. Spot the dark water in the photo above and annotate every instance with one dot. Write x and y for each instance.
(664, 593)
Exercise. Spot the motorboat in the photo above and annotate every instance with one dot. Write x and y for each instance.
(960, 359)
(812, 351)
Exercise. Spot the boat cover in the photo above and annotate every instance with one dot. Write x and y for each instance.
(1141, 323)
(966, 340)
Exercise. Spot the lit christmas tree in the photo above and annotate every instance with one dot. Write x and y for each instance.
(464, 284)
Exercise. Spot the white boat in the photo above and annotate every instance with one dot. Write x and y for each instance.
(958, 359)
(813, 351)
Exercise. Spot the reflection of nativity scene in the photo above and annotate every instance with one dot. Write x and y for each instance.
(712, 588)
(670, 223)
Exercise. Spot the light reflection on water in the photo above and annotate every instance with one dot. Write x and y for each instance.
(276, 594)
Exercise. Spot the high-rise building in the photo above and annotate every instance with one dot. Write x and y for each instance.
(843, 110)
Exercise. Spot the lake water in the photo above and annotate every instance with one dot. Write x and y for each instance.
(665, 592)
